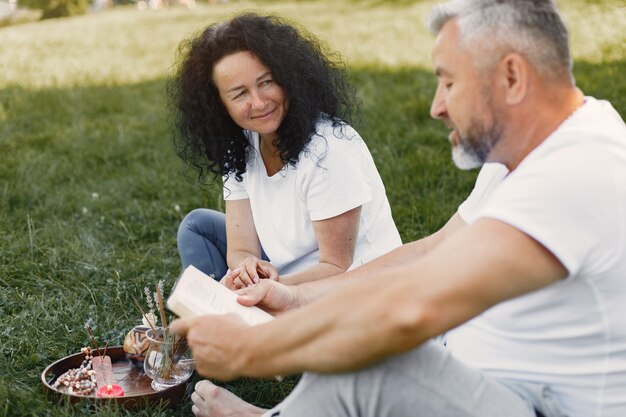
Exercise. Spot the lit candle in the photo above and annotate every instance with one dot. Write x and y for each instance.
(110, 390)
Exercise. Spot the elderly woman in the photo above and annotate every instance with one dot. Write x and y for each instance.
(259, 103)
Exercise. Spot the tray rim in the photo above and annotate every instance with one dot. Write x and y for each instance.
(127, 401)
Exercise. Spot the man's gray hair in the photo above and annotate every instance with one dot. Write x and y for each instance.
(492, 28)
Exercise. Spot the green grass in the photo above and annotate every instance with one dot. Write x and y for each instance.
(91, 191)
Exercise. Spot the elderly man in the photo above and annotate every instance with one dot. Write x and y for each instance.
(527, 280)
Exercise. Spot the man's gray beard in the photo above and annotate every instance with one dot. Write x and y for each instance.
(465, 160)
(473, 149)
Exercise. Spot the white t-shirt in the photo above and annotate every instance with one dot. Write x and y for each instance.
(488, 179)
(570, 195)
(335, 174)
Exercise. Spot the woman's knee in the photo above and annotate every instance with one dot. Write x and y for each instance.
(201, 221)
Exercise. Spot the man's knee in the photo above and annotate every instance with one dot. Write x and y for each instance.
(427, 378)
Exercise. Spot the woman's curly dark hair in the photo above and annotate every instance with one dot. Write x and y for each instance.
(314, 83)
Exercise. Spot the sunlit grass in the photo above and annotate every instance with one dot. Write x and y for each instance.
(125, 45)
(91, 191)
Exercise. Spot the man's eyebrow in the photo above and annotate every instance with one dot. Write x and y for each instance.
(440, 72)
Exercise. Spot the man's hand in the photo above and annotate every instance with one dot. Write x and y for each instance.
(217, 343)
(271, 296)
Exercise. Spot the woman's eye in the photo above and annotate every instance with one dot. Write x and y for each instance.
(239, 95)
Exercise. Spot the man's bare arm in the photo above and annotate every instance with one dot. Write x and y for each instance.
(283, 298)
(383, 313)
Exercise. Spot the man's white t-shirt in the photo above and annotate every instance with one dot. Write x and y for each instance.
(335, 174)
(569, 194)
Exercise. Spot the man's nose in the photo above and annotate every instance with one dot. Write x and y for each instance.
(438, 106)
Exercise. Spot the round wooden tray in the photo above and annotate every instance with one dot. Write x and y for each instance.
(137, 389)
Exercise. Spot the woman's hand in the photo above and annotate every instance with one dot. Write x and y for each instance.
(250, 271)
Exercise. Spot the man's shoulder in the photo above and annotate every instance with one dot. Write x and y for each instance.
(595, 118)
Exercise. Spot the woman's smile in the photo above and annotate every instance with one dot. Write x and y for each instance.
(253, 99)
(264, 115)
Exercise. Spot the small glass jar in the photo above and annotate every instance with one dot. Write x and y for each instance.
(168, 360)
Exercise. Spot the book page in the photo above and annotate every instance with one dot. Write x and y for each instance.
(197, 294)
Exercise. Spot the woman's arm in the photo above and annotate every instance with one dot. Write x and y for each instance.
(401, 255)
(244, 248)
(336, 238)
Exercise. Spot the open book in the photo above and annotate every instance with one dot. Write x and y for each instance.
(197, 294)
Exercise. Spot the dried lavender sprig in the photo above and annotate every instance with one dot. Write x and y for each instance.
(144, 315)
(149, 299)
(161, 308)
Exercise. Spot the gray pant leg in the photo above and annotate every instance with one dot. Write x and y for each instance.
(539, 395)
(426, 381)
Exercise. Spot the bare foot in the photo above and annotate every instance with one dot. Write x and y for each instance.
(210, 400)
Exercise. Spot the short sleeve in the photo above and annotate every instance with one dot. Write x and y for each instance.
(237, 190)
(233, 189)
(566, 212)
(336, 173)
(489, 178)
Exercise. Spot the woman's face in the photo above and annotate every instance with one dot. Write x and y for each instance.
(251, 96)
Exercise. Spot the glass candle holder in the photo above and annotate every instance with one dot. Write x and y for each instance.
(168, 360)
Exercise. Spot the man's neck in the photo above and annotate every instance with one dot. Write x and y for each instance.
(529, 125)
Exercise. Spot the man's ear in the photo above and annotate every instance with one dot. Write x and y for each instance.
(513, 73)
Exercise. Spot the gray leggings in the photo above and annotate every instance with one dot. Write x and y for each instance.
(426, 381)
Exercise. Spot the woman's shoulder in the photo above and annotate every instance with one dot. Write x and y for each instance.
(328, 127)
(334, 145)
(330, 134)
